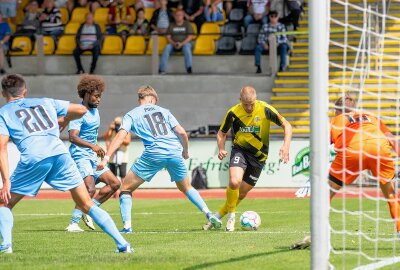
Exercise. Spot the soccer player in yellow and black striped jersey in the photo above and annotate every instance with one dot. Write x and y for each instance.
(250, 121)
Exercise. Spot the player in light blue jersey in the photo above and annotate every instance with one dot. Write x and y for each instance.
(31, 123)
(84, 149)
(166, 146)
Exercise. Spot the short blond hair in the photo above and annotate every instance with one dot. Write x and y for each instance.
(147, 90)
(345, 104)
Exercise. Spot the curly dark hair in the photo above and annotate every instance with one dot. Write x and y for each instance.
(13, 84)
(89, 84)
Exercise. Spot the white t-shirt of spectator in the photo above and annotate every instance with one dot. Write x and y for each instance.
(259, 6)
(163, 20)
(88, 36)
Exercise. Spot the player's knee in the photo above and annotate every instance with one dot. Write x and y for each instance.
(234, 183)
(91, 191)
(115, 185)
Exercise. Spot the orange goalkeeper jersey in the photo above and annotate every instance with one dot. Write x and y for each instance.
(356, 129)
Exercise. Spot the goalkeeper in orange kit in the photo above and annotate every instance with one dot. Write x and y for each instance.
(359, 136)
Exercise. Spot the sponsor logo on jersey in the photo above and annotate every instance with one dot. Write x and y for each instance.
(250, 129)
(257, 119)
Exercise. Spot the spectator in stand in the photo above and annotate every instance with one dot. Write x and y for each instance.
(282, 42)
(8, 9)
(50, 20)
(295, 9)
(257, 12)
(194, 10)
(213, 11)
(71, 4)
(119, 17)
(119, 160)
(179, 35)
(31, 22)
(146, 4)
(88, 38)
(141, 25)
(5, 34)
(161, 18)
(99, 4)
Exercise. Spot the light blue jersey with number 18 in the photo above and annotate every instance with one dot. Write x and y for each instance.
(31, 123)
(154, 125)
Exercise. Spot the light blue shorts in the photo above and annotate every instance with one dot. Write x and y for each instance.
(8, 9)
(147, 166)
(60, 172)
(87, 167)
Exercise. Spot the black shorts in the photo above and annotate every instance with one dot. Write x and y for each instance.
(251, 166)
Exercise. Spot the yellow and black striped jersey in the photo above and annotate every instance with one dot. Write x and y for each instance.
(251, 131)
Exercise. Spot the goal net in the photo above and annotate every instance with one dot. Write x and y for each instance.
(364, 63)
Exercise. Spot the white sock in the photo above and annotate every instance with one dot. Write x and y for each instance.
(127, 224)
(231, 215)
(205, 210)
(217, 215)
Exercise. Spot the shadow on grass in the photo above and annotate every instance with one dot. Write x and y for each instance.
(238, 259)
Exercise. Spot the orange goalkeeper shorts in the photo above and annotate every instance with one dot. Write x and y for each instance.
(348, 164)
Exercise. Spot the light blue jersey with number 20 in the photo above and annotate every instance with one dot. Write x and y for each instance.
(154, 125)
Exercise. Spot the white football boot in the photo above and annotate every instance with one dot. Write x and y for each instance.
(88, 221)
(74, 227)
(230, 224)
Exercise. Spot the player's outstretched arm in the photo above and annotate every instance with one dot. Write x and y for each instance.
(114, 145)
(5, 191)
(221, 139)
(181, 133)
(75, 139)
(284, 151)
(75, 111)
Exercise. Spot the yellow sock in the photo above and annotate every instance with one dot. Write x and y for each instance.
(232, 196)
(224, 209)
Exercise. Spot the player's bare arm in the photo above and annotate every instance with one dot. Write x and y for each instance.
(114, 145)
(75, 111)
(284, 151)
(183, 138)
(5, 191)
(221, 139)
(75, 139)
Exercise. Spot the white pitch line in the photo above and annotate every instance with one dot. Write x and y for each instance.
(379, 264)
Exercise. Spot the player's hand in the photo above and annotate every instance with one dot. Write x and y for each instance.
(98, 150)
(62, 123)
(101, 165)
(185, 154)
(284, 154)
(5, 194)
(222, 154)
(302, 244)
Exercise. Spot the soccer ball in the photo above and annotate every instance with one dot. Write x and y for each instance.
(250, 221)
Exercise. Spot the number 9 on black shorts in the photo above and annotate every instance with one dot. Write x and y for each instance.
(251, 166)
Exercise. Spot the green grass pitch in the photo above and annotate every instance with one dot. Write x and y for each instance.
(168, 235)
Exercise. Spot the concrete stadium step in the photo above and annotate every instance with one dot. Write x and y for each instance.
(334, 90)
(384, 57)
(336, 49)
(334, 97)
(339, 73)
(300, 45)
(386, 66)
(349, 15)
(365, 105)
(359, 23)
(287, 82)
(390, 28)
(351, 34)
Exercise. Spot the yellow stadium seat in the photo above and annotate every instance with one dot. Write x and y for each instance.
(79, 14)
(112, 45)
(72, 28)
(133, 15)
(135, 45)
(12, 26)
(129, 3)
(101, 15)
(211, 30)
(148, 13)
(194, 26)
(162, 42)
(48, 46)
(103, 27)
(204, 46)
(64, 15)
(66, 45)
(23, 43)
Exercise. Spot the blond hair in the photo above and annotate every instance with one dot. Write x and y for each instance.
(147, 90)
(345, 104)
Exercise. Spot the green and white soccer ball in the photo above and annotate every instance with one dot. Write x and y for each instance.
(250, 221)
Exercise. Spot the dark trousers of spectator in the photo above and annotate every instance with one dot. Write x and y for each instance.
(294, 15)
(283, 50)
(77, 55)
(114, 168)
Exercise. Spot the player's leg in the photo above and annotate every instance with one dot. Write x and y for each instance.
(77, 214)
(112, 184)
(7, 222)
(129, 184)
(64, 176)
